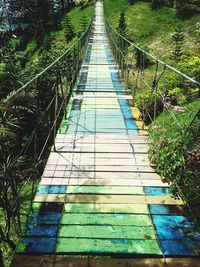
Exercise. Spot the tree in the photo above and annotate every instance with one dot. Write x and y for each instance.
(183, 9)
(69, 29)
(122, 24)
(47, 42)
(178, 42)
(122, 31)
(197, 36)
(61, 6)
(13, 166)
(82, 3)
(83, 23)
(34, 12)
(132, 2)
(156, 4)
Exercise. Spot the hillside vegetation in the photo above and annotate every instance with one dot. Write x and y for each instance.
(30, 113)
(29, 50)
(171, 109)
(153, 28)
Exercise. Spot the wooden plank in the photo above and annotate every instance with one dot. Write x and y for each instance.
(99, 148)
(101, 138)
(95, 155)
(106, 232)
(113, 182)
(106, 219)
(102, 168)
(93, 139)
(99, 175)
(121, 199)
(103, 95)
(60, 261)
(105, 190)
(101, 246)
(106, 208)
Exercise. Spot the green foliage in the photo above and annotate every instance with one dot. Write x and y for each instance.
(122, 24)
(21, 59)
(123, 31)
(68, 29)
(152, 28)
(47, 41)
(82, 3)
(177, 87)
(178, 42)
(173, 133)
(141, 59)
(170, 152)
(176, 154)
(190, 65)
(197, 36)
(83, 23)
(13, 166)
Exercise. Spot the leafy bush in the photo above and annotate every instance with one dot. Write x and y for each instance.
(177, 159)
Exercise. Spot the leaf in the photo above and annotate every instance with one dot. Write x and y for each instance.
(147, 236)
(8, 132)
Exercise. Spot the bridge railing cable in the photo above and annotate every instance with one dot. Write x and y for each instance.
(53, 88)
(166, 88)
(167, 98)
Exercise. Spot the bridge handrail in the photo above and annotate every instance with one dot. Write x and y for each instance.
(121, 52)
(53, 64)
(55, 106)
(150, 55)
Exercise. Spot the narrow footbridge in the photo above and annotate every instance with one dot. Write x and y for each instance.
(99, 195)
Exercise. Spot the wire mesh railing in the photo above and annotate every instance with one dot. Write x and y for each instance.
(169, 104)
(144, 73)
(52, 91)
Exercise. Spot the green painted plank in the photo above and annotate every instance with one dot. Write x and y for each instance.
(106, 231)
(81, 245)
(106, 219)
(105, 190)
(110, 208)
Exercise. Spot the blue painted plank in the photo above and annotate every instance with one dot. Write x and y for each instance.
(164, 209)
(42, 230)
(45, 218)
(40, 245)
(156, 191)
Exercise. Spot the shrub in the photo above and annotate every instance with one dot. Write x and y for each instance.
(177, 159)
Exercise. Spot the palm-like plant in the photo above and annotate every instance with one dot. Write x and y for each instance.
(13, 119)
(82, 3)
(12, 114)
(9, 121)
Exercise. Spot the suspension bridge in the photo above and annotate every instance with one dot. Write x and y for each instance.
(99, 194)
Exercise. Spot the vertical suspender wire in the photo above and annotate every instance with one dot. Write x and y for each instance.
(155, 95)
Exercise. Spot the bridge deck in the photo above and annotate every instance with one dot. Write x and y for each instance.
(99, 194)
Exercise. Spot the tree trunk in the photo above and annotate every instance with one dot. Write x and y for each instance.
(62, 6)
(1, 259)
(68, 4)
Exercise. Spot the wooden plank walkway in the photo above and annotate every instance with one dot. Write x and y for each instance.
(99, 195)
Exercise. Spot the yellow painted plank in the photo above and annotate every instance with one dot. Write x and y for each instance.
(123, 199)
